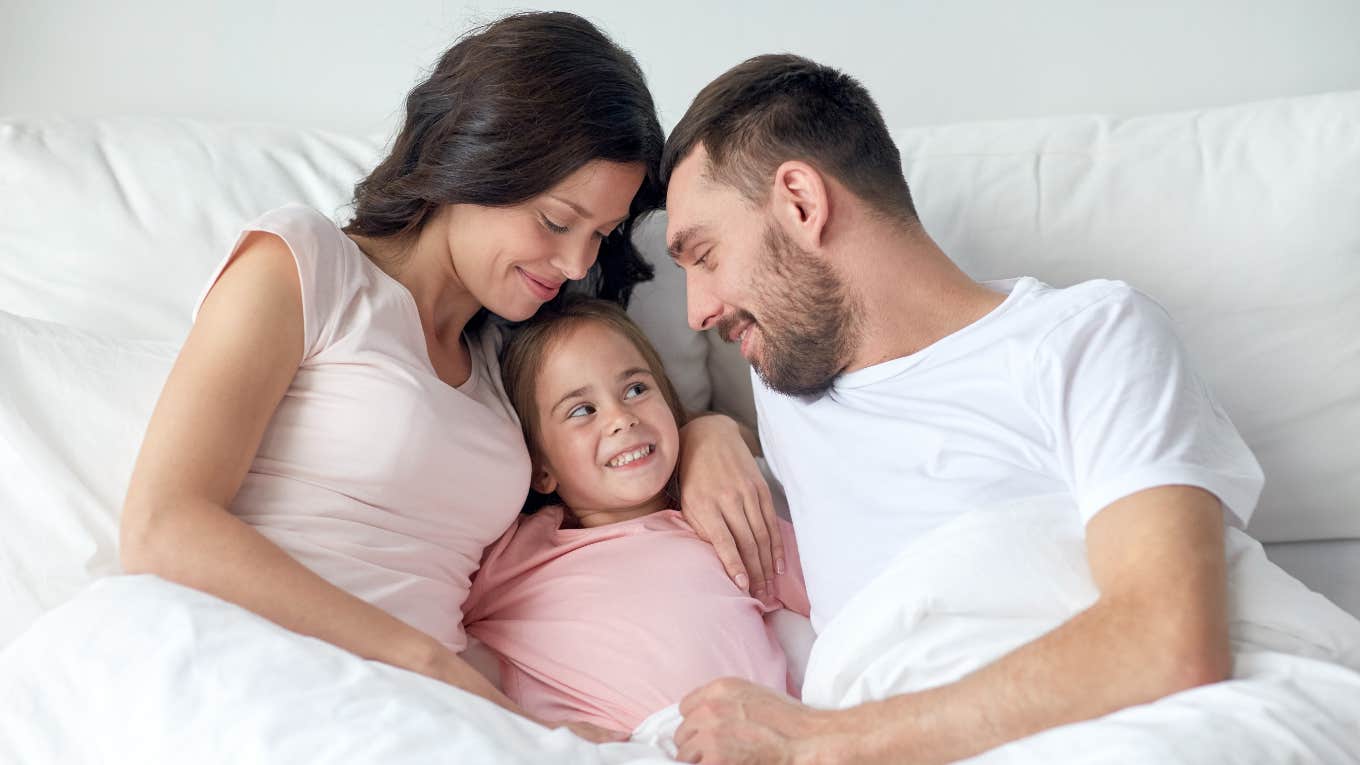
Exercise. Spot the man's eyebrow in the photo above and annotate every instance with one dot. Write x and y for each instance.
(680, 241)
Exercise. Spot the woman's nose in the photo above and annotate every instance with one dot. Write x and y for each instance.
(575, 263)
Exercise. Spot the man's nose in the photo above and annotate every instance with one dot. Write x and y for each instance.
(703, 308)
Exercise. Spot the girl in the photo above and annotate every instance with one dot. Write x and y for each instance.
(339, 385)
(605, 606)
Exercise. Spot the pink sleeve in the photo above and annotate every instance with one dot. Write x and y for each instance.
(790, 588)
(308, 235)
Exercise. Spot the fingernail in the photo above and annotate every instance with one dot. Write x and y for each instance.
(779, 567)
(742, 581)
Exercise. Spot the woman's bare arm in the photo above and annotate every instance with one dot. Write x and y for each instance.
(231, 374)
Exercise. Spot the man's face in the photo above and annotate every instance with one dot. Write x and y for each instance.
(748, 279)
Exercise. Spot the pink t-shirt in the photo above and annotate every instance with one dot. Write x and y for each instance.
(610, 624)
(373, 472)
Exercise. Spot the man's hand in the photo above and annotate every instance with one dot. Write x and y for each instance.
(734, 721)
(1159, 627)
(727, 502)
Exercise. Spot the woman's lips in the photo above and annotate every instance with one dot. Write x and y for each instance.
(542, 290)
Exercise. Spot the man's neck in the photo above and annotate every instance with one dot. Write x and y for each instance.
(911, 295)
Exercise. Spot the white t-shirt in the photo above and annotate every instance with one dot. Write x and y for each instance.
(1084, 390)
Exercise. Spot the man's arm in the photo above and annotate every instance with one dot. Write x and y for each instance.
(1158, 627)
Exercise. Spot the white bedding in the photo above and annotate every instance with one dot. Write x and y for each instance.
(991, 581)
(138, 670)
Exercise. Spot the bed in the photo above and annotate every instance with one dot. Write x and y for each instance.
(1240, 219)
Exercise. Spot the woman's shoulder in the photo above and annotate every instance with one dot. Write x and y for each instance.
(298, 217)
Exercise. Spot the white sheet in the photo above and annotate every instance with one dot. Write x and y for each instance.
(993, 580)
(138, 670)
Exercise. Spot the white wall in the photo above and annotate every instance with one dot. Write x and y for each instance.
(345, 64)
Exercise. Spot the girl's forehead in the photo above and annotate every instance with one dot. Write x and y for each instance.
(596, 342)
(586, 355)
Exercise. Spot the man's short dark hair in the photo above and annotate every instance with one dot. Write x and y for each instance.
(774, 108)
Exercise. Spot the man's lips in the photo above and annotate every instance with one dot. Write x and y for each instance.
(543, 288)
(732, 330)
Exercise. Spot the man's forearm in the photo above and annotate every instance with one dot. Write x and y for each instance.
(1102, 660)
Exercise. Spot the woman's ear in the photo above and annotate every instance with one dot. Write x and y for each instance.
(802, 202)
(544, 481)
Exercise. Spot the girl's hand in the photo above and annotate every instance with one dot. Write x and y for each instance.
(725, 499)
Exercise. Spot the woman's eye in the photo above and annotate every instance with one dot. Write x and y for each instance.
(553, 227)
(635, 390)
(581, 411)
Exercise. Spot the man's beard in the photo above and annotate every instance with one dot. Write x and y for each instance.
(811, 325)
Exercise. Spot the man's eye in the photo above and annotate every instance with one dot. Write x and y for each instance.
(553, 227)
(635, 390)
(583, 410)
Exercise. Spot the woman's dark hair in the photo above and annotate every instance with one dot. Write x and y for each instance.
(512, 109)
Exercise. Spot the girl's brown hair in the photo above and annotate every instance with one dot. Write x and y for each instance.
(534, 340)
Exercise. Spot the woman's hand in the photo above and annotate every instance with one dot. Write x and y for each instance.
(725, 499)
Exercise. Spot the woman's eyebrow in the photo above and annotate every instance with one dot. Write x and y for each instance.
(581, 211)
(584, 213)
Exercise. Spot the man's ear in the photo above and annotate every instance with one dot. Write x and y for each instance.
(544, 481)
(801, 202)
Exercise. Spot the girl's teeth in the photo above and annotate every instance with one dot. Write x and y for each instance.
(624, 459)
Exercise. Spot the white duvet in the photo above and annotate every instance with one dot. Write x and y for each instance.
(138, 670)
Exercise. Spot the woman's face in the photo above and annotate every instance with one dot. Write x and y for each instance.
(607, 440)
(514, 259)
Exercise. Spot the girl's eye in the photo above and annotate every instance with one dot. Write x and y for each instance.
(583, 410)
(635, 390)
(553, 227)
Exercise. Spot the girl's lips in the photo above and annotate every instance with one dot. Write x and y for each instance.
(639, 462)
(540, 289)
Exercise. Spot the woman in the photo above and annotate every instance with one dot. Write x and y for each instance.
(332, 449)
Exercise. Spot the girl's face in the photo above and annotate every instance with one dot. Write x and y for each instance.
(514, 259)
(607, 440)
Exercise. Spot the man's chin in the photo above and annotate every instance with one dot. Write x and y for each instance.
(793, 387)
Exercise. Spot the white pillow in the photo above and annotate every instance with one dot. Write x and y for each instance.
(72, 415)
(1244, 222)
(658, 307)
(114, 225)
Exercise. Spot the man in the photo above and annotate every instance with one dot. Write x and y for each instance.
(898, 393)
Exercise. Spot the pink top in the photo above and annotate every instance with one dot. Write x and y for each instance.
(610, 624)
(373, 472)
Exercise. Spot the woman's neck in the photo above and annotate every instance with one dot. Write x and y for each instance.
(590, 518)
(424, 266)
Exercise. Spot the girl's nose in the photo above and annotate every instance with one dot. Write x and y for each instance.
(624, 421)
